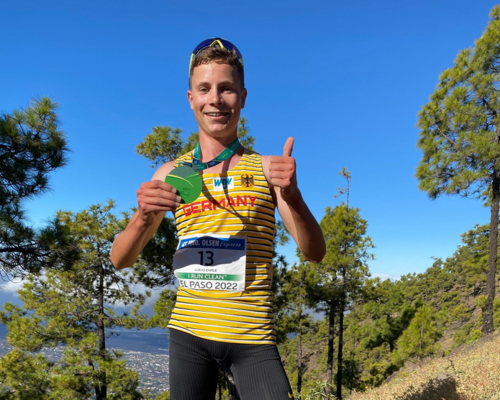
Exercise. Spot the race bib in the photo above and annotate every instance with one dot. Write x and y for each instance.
(211, 262)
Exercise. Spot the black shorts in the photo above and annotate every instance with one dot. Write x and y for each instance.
(257, 369)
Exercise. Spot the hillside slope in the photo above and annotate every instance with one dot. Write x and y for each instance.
(377, 339)
(470, 373)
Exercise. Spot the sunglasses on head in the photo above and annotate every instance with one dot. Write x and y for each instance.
(213, 42)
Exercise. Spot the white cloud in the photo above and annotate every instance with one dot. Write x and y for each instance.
(11, 286)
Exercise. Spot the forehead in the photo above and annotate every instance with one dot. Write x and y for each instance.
(214, 72)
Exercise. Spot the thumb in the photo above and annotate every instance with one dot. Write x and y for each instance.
(287, 149)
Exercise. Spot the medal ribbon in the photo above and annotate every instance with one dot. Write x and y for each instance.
(197, 165)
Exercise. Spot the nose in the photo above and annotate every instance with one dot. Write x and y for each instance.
(216, 97)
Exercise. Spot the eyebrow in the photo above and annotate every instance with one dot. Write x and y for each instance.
(220, 83)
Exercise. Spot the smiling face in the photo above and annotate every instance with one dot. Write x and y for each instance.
(216, 97)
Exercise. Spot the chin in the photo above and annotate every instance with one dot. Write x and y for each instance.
(218, 134)
(220, 131)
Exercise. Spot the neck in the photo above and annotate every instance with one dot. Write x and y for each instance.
(211, 147)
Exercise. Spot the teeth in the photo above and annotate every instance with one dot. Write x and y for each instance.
(215, 114)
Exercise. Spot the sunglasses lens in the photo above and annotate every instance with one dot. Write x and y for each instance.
(208, 42)
(203, 45)
(231, 47)
(225, 43)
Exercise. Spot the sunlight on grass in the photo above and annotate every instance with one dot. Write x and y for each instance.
(472, 374)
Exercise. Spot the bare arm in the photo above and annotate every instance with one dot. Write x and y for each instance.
(154, 199)
(298, 219)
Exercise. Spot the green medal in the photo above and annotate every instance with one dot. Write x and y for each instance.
(187, 182)
(186, 179)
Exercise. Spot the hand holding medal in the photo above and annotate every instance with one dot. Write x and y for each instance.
(187, 182)
(185, 177)
(156, 196)
(282, 171)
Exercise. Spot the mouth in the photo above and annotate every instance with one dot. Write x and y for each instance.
(217, 114)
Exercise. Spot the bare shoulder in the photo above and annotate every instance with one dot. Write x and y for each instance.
(162, 172)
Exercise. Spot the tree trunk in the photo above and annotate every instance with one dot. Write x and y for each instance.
(299, 356)
(299, 347)
(421, 340)
(101, 336)
(341, 339)
(487, 327)
(331, 337)
(231, 384)
(341, 313)
(354, 346)
(97, 388)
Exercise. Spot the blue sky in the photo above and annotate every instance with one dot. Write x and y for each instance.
(346, 79)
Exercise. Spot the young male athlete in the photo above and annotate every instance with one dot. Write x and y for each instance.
(223, 197)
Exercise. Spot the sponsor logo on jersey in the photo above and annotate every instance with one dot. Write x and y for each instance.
(247, 180)
(221, 184)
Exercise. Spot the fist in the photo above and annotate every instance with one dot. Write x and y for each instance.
(282, 171)
(156, 196)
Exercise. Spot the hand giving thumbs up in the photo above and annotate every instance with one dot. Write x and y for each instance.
(282, 171)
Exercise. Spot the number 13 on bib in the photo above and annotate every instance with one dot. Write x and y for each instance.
(211, 262)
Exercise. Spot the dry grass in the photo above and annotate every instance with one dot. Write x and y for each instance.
(471, 374)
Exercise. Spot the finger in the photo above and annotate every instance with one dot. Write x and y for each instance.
(287, 149)
(160, 185)
(155, 210)
(161, 200)
(281, 175)
(158, 204)
(282, 167)
(157, 193)
(147, 205)
(277, 161)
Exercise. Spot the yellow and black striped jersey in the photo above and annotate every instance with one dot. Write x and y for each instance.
(237, 202)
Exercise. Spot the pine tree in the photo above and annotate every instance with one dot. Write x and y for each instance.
(74, 309)
(163, 144)
(377, 321)
(280, 298)
(460, 137)
(476, 260)
(31, 147)
(25, 376)
(337, 281)
(296, 319)
(387, 311)
(419, 339)
(154, 266)
(246, 139)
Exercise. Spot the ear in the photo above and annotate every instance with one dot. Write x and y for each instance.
(243, 97)
(190, 98)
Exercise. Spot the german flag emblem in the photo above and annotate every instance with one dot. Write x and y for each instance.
(247, 180)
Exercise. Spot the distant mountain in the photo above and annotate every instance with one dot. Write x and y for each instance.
(141, 341)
